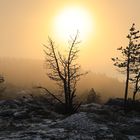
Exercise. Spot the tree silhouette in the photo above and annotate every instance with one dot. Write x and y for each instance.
(135, 66)
(64, 70)
(127, 60)
(93, 97)
(135, 80)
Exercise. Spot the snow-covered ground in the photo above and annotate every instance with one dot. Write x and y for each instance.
(28, 119)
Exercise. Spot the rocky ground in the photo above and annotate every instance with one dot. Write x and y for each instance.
(30, 119)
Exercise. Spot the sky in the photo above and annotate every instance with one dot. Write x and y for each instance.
(26, 24)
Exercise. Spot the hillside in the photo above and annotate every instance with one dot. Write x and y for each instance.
(30, 119)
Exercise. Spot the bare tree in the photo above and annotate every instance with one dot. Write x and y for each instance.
(125, 62)
(64, 70)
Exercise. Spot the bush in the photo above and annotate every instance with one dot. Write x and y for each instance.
(1, 88)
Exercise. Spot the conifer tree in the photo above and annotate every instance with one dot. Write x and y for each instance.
(129, 55)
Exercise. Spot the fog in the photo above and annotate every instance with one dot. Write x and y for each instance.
(27, 73)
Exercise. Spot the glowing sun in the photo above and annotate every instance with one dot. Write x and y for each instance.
(71, 20)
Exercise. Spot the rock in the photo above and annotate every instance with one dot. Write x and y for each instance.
(21, 114)
(7, 113)
(32, 119)
(115, 102)
(131, 130)
(90, 107)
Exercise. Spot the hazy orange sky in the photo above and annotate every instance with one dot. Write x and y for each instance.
(26, 24)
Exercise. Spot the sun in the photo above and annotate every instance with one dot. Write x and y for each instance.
(71, 20)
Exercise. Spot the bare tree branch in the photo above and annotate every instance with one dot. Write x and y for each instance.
(50, 94)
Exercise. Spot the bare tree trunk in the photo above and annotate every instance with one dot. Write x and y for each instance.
(134, 95)
(126, 90)
(127, 82)
(136, 87)
(66, 96)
